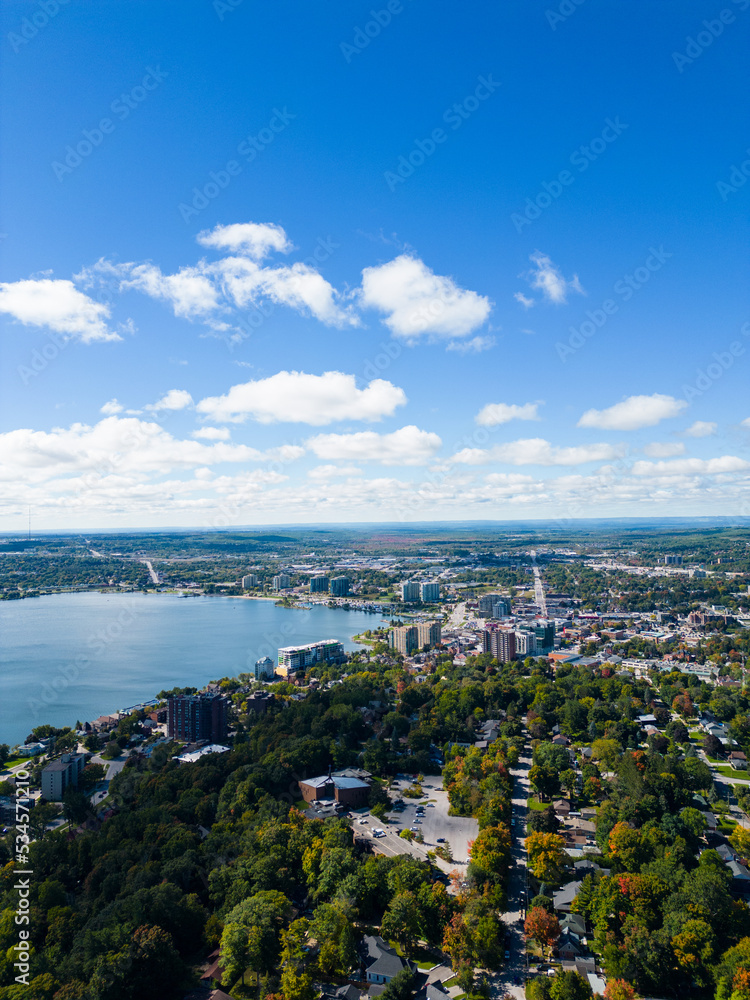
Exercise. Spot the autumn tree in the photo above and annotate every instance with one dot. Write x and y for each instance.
(543, 927)
(547, 857)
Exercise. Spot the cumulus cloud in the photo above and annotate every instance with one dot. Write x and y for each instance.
(175, 399)
(326, 472)
(208, 291)
(494, 414)
(406, 446)
(114, 444)
(537, 451)
(701, 429)
(296, 397)
(256, 239)
(745, 423)
(664, 449)
(474, 346)
(211, 434)
(634, 413)
(416, 302)
(692, 466)
(524, 300)
(547, 278)
(111, 407)
(58, 305)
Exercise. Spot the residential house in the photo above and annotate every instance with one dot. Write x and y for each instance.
(738, 760)
(383, 963)
(569, 947)
(561, 807)
(563, 898)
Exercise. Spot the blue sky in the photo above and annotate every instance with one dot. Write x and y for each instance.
(292, 262)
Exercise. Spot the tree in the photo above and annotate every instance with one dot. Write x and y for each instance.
(4, 755)
(546, 852)
(296, 982)
(694, 949)
(543, 927)
(607, 753)
(626, 845)
(712, 745)
(401, 921)
(543, 821)
(401, 987)
(545, 779)
(251, 933)
(570, 986)
(740, 840)
(619, 989)
(569, 779)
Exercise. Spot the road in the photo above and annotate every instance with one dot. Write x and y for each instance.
(502, 982)
(541, 600)
(152, 572)
(456, 618)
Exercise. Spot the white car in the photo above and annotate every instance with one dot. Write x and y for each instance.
(377, 832)
(361, 821)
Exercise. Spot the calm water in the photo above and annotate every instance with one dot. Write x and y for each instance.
(76, 656)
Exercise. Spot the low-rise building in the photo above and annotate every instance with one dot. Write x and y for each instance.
(293, 659)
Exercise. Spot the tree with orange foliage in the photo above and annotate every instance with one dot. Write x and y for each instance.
(543, 927)
(619, 989)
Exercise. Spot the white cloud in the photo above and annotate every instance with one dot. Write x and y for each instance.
(417, 302)
(494, 414)
(474, 346)
(537, 451)
(115, 444)
(175, 399)
(326, 472)
(212, 434)
(745, 423)
(634, 412)
(524, 300)
(547, 278)
(111, 407)
(407, 446)
(701, 429)
(256, 239)
(58, 305)
(691, 466)
(296, 397)
(189, 292)
(664, 449)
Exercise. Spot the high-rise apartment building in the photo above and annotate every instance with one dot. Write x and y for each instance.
(339, 586)
(60, 774)
(487, 604)
(428, 634)
(292, 659)
(526, 642)
(500, 642)
(250, 581)
(409, 592)
(429, 592)
(501, 608)
(263, 669)
(281, 582)
(405, 639)
(318, 584)
(545, 635)
(196, 717)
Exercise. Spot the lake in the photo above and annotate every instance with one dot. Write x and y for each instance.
(69, 657)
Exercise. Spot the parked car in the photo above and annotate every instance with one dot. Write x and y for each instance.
(441, 840)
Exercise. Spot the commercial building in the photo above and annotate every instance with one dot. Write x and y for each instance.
(405, 639)
(281, 582)
(673, 560)
(410, 592)
(250, 581)
(500, 642)
(545, 635)
(501, 608)
(339, 586)
(526, 642)
(487, 602)
(198, 717)
(263, 669)
(292, 659)
(350, 792)
(429, 592)
(318, 584)
(61, 774)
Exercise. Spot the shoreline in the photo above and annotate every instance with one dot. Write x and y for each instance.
(34, 722)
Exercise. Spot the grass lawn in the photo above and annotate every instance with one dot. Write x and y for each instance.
(726, 825)
(727, 771)
(420, 955)
(536, 805)
(16, 760)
